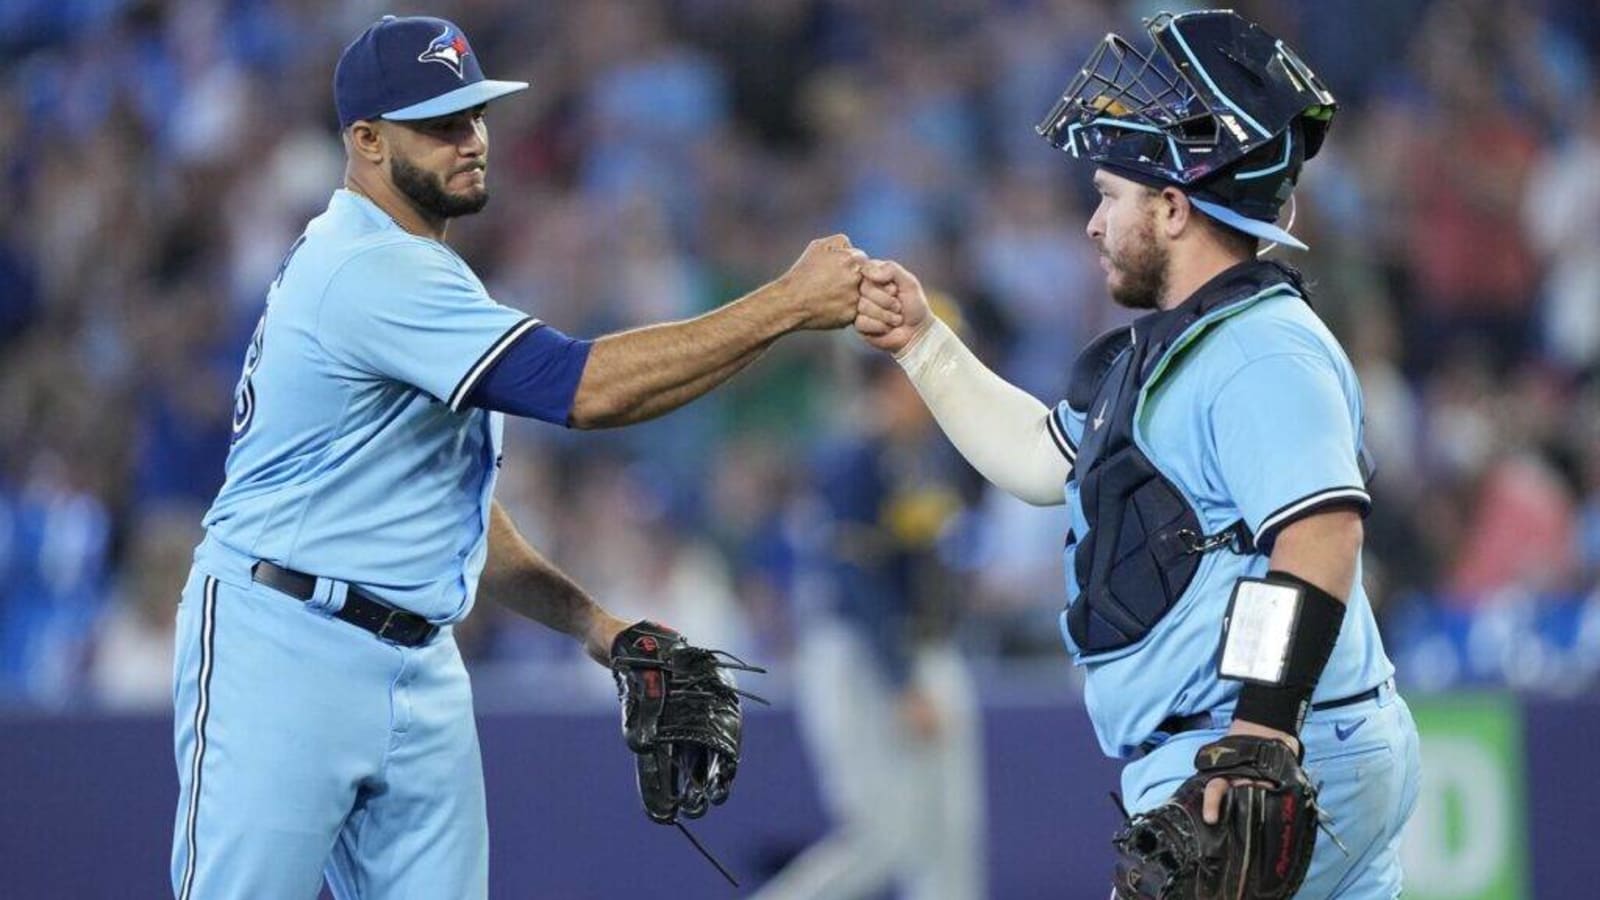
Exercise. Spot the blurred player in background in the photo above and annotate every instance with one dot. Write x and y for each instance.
(366, 438)
(886, 703)
(1211, 459)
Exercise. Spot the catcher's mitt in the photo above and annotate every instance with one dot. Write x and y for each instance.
(681, 717)
(1260, 846)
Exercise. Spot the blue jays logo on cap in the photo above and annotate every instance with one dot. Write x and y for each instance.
(408, 68)
(449, 48)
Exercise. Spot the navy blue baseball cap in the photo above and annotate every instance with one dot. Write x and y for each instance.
(408, 68)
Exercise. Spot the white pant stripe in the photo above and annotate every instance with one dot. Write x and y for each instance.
(208, 629)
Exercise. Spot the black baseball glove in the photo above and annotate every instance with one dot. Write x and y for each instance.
(681, 717)
(1262, 842)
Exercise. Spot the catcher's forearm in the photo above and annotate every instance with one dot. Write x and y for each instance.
(1002, 430)
(1315, 558)
(661, 367)
(517, 577)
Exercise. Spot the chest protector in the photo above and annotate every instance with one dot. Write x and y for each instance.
(1144, 541)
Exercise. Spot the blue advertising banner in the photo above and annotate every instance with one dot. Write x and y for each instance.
(87, 807)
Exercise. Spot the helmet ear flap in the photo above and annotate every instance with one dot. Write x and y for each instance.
(1258, 184)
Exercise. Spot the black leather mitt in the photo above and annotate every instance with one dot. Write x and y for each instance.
(1260, 847)
(681, 717)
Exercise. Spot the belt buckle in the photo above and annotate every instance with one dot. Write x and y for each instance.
(383, 629)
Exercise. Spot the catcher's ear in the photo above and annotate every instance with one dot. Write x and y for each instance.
(1174, 212)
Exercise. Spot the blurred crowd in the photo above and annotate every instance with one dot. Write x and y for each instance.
(158, 159)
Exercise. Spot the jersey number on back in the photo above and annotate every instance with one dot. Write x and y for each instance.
(244, 395)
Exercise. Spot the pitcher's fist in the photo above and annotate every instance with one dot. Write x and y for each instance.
(824, 283)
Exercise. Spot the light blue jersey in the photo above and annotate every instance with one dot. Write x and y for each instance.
(322, 714)
(354, 458)
(308, 747)
(1259, 422)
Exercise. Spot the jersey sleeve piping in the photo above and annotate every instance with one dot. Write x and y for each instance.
(1058, 434)
(1308, 504)
(475, 372)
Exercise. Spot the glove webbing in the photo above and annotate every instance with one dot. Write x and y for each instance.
(698, 683)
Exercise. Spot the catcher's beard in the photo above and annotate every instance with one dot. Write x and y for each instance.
(1142, 262)
(427, 191)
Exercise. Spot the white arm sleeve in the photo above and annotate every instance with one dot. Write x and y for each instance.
(1002, 430)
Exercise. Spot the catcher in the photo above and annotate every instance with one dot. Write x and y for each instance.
(1211, 459)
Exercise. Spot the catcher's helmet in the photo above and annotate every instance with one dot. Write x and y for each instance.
(1218, 107)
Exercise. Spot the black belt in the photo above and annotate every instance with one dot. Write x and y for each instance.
(1173, 726)
(397, 626)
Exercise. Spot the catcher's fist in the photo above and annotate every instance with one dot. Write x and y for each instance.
(892, 312)
(681, 718)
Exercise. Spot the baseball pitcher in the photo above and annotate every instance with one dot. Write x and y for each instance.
(324, 723)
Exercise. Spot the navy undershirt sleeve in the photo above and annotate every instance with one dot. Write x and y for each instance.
(536, 377)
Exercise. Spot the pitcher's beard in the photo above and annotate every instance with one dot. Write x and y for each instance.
(427, 191)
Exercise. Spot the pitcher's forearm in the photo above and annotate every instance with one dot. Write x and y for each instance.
(517, 577)
(626, 371)
(665, 401)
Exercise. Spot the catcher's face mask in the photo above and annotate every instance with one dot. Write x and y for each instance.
(1218, 107)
